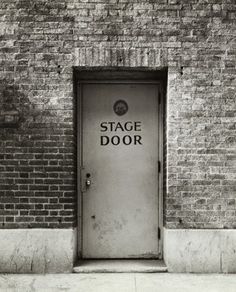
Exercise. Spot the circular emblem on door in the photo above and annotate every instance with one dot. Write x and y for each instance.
(120, 107)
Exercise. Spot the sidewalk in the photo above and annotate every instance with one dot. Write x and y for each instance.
(119, 282)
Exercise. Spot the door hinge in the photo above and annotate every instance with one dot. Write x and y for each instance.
(159, 166)
(159, 233)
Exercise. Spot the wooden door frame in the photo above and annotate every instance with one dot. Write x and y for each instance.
(79, 96)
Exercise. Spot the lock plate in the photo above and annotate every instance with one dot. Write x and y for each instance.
(85, 180)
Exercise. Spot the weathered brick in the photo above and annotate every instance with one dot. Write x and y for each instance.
(39, 46)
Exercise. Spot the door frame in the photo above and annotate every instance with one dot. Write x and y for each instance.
(79, 112)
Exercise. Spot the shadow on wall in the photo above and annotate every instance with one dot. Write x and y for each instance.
(14, 105)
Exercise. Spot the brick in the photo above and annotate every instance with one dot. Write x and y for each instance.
(41, 43)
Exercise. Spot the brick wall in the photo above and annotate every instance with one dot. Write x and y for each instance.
(40, 43)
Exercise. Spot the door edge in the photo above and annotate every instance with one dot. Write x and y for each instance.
(79, 95)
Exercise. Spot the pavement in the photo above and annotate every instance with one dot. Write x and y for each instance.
(119, 282)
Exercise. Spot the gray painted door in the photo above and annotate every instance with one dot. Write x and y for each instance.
(120, 170)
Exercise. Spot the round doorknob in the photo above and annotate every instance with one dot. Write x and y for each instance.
(88, 182)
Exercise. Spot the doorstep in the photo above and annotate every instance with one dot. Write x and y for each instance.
(120, 266)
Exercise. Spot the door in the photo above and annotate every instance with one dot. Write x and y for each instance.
(119, 175)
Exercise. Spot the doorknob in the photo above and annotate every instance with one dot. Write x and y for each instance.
(85, 180)
(88, 182)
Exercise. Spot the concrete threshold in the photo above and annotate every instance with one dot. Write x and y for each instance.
(120, 266)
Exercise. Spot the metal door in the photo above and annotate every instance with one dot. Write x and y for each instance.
(119, 175)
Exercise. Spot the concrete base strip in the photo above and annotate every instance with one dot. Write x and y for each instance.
(37, 250)
(200, 251)
(54, 250)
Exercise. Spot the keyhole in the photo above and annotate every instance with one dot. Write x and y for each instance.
(88, 175)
